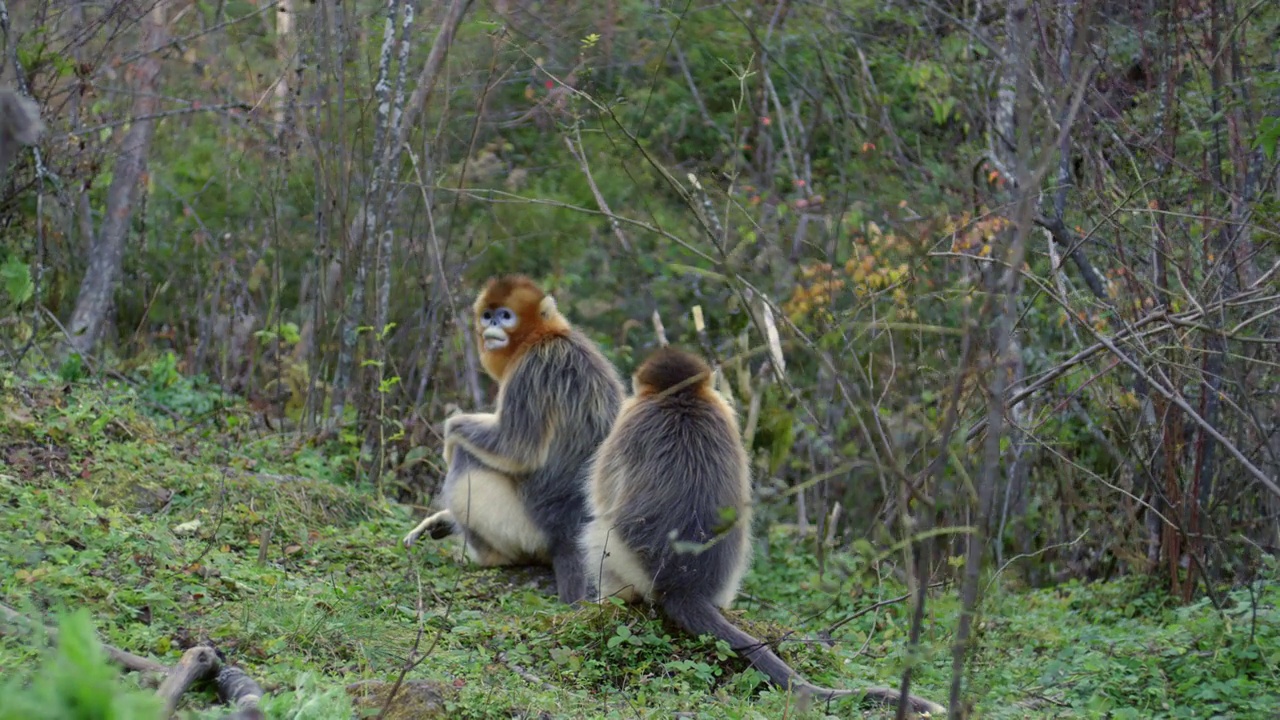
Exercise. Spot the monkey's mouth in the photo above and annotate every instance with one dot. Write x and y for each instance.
(494, 338)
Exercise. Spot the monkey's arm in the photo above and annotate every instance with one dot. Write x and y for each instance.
(516, 439)
(513, 443)
(608, 480)
(451, 441)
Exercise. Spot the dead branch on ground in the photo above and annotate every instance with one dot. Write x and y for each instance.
(198, 664)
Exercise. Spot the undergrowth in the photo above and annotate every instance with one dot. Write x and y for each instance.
(166, 516)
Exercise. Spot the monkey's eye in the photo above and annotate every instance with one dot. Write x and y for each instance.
(486, 316)
(506, 317)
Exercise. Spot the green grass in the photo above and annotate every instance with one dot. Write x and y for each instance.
(113, 503)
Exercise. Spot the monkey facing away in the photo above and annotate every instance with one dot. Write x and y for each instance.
(516, 483)
(20, 124)
(671, 501)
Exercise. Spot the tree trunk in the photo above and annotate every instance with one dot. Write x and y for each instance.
(1014, 145)
(284, 53)
(386, 153)
(369, 220)
(106, 252)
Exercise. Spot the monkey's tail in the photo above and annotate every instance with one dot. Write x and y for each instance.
(700, 617)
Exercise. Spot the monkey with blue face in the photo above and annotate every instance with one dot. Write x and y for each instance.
(516, 481)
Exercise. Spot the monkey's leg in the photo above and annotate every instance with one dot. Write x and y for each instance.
(482, 553)
(571, 580)
(487, 505)
(442, 524)
(614, 586)
(611, 566)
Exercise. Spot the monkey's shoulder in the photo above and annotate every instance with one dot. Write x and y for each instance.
(673, 428)
(691, 414)
(567, 353)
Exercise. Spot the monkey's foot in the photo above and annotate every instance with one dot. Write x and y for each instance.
(410, 539)
(442, 529)
(437, 527)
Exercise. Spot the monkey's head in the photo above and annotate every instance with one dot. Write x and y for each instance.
(671, 370)
(511, 314)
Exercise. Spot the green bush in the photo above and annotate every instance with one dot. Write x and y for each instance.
(77, 682)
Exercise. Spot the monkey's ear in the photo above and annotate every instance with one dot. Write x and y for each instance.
(547, 307)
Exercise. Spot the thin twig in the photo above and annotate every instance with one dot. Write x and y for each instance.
(1024, 556)
(580, 154)
(872, 608)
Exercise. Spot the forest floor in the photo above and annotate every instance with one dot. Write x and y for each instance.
(127, 500)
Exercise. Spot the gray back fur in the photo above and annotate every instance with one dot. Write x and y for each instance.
(655, 437)
(535, 393)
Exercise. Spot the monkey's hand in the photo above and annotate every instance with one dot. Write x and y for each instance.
(449, 450)
(515, 446)
(458, 418)
(450, 441)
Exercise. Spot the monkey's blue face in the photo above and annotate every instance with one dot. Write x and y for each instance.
(495, 324)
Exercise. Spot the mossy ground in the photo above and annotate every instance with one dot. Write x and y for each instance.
(171, 531)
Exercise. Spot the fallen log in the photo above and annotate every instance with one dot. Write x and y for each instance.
(238, 690)
(197, 663)
(200, 663)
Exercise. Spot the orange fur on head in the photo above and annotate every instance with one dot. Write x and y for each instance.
(673, 371)
(539, 319)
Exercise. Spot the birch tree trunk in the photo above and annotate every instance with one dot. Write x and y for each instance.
(382, 310)
(368, 219)
(284, 53)
(1013, 146)
(387, 154)
(106, 252)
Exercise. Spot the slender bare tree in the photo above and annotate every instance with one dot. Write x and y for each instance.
(106, 251)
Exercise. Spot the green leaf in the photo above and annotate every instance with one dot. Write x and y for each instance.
(16, 277)
(679, 268)
(784, 436)
(289, 331)
(1268, 136)
(76, 681)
